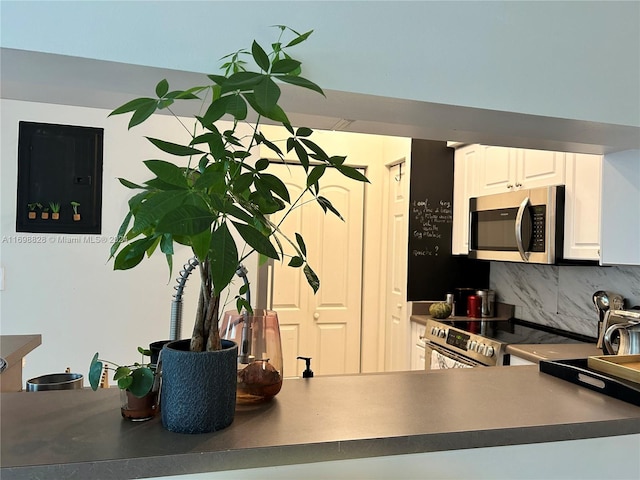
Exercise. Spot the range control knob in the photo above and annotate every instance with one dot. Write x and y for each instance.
(472, 345)
(480, 349)
(489, 351)
(442, 333)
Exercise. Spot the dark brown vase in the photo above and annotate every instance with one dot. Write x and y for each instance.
(138, 409)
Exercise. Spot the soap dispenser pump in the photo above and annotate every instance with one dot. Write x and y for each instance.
(307, 373)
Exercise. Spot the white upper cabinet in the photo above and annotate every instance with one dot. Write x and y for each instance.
(464, 185)
(583, 199)
(504, 169)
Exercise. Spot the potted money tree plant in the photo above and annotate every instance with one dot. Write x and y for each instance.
(216, 185)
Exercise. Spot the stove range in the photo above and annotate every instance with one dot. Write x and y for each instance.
(483, 341)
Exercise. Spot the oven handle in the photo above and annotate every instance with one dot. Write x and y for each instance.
(453, 355)
(519, 217)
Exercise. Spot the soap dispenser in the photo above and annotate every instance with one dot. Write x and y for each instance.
(307, 373)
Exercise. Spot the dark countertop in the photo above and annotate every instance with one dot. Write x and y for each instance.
(558, 351)
(79, 433)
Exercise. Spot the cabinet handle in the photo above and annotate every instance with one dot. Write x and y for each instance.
(518, 184)
(509, 185)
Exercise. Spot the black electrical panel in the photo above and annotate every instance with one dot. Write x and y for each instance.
(59, 179)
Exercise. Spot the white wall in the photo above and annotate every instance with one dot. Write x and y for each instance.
(573, 60)
(68, 292)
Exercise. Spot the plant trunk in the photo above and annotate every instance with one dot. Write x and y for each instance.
(206, 336)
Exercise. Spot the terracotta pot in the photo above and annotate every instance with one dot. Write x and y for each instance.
(55, 216)
(45, 215)
(76, 217)
(32, 215)
(138, 409)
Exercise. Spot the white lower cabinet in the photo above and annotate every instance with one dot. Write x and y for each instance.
(513, 360)
(417, 346)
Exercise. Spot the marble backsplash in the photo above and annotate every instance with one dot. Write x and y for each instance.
(560, 296)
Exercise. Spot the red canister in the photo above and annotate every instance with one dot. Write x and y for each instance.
(474, 306)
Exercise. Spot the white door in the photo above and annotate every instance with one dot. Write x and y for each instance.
(397, 341)
(325, 326)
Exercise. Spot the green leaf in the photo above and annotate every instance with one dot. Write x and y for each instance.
(149, 212)
(134, 105)
(301, 245)
(168, 172)
(216, 110)
(174, 148)
(125, 382)
(256, 240)
(300, 82)
(299, 39)
(302, 155)
(162, 88)
(276, 113)
(121, 232)
(200, 243)
(224, 258)
(121, 372)
(129, 184)
(260, 56)
(237, 107)
(142, 381)
(215, 142)
(144, 351)
(95, 372)
(213, 177)
(267, 94)
(276, 185)
(241, 81)
(242, 183)
(352, 173)
(312, 278)
(141, 114)
(315, 148)
(326, 205)
(166, 244)
(132, 253)
(262, 164)
(185, 220)
(296, 262)
(315, 174)
(303, 132)
(286, 65)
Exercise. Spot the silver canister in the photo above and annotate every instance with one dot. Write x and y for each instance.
(488, 299)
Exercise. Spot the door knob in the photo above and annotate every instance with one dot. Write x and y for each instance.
(316, 316)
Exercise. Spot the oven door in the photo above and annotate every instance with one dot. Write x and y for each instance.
(440, 358)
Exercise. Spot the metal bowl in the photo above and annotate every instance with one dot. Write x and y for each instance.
(55, 381)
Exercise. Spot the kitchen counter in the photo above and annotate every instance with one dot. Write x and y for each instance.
(560, 351)
(79, 433)
(13, 348)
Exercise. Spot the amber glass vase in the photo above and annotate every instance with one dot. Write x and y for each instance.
(259, 353)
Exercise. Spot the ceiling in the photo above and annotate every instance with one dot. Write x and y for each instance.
(66, 80)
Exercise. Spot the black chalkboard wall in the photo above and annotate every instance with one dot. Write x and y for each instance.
(432, 270)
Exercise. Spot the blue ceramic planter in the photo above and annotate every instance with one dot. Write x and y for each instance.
(198, 392)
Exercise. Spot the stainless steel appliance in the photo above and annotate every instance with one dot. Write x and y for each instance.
(626, 324)
(460, 343)
(520, 226)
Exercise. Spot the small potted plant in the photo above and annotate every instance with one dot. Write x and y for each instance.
(139, 398)
(32, 209)
(55, 210)
(45, 213)
(76, 215)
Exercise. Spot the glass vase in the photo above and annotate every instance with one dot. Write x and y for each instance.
(259, 353)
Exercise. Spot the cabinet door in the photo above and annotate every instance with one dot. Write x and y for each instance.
(539, 168)
(496, 170)
(464, 183)
(417, 346)
(583, 195)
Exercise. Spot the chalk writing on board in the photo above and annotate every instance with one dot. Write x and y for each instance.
(429, 221)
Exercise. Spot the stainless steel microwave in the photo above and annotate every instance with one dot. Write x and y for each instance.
(520, 226)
